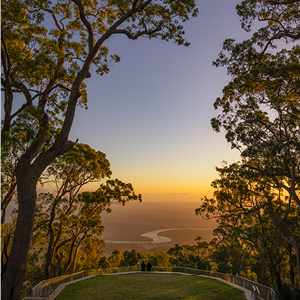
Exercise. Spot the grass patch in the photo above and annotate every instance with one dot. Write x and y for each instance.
(150, 286)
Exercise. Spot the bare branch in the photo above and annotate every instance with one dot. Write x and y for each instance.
(137, 35)
(85, 22)
(279, 2)
(54, 17)
(134, 4)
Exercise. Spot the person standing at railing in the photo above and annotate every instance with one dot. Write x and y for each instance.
(149, 266)
(143, 265)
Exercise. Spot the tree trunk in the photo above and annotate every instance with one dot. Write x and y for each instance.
(68, 263)
(52, 245)
(5, 251)
(290, 239)
(73, 266)
(50, 257)
(292, 273)
(298, 260)
(279, 285)
(59, 258)
(8, 197)
(30, 167)
(27, 175)
(264, 272)
(17, 262)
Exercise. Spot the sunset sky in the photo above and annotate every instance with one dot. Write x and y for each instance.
(151, 114)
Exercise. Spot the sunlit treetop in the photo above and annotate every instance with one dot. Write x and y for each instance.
(277, 21)
(46, 43)
(283, 15)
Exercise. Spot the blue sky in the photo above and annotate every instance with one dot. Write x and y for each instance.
(151, 114)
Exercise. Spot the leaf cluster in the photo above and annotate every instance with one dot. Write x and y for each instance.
(282, 24)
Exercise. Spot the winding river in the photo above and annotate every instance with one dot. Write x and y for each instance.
(157, 239)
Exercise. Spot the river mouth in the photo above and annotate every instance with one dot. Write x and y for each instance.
(155, 237)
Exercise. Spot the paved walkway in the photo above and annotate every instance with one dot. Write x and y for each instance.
(59, 289)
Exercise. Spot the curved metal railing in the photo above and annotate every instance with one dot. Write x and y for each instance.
(46, 287)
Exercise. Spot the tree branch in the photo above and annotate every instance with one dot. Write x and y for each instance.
(278, 183)
(137, 35)
(86, 23)
(279, 2)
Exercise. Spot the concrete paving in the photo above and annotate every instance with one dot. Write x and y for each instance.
(59, 289)
(247, 292)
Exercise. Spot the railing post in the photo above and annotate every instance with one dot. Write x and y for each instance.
(254, 292)
(25, 284)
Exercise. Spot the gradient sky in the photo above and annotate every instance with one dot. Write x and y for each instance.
(151, 114)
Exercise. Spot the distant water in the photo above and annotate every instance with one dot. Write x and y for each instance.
(151, 227)
(157, 239)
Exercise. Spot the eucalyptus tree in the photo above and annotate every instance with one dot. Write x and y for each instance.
(90, 253)
(247, 206)
(65, 220)
(160, 259)
(260, 107)
(48, 48)
(279, 25)
(261, 117)
(23, 130)
(7, 233)
(67, 174)
(130, 258)
(76, 220)
(252, 247)
(115, 258)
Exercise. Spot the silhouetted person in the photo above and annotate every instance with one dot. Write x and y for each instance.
(149, 266)
(143, 265)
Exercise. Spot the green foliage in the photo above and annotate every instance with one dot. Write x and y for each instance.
(45, 42)
(68, 224)
(35, 271)
(130, 258)
(261, 113)
(249, 241)
(281, 20)
(77, 167)
(47, 50)
(160, 259)
(76, 223)
(277, 14)
(104, 263)
(257, 201)
(116, 258)
(189, 256)
(7, 233)
(260, 106)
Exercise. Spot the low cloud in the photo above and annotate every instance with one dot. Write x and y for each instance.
(167, 194)
(179, 194)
